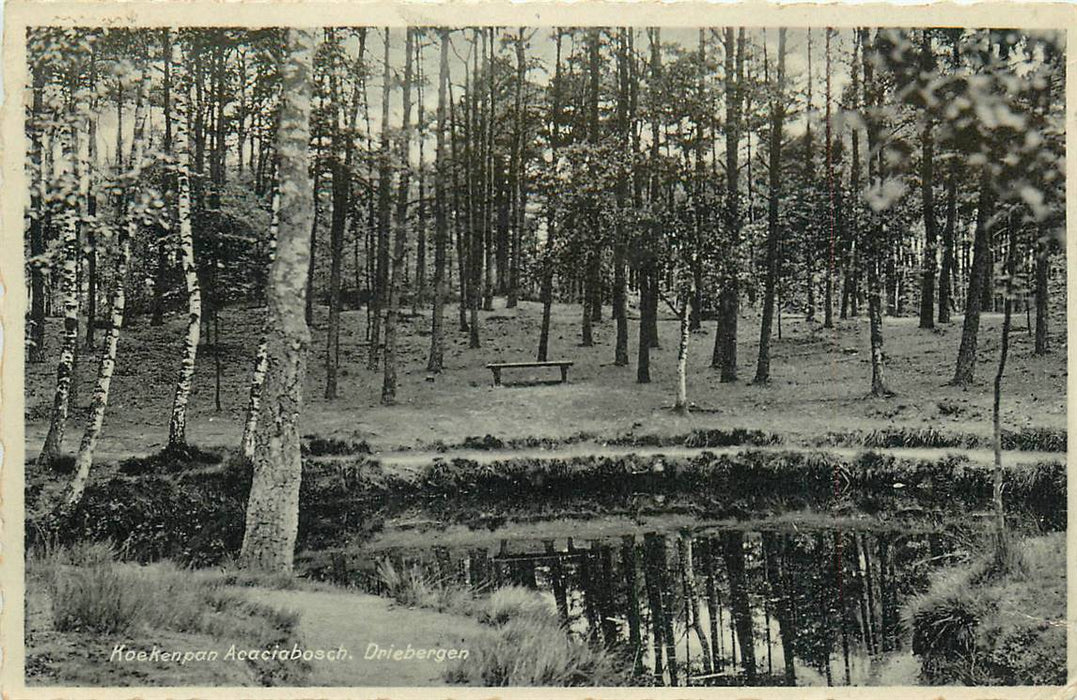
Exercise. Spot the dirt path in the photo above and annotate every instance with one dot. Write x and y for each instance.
(362, 623)
(411, 461)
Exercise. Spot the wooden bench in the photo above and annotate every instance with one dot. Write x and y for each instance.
(497, 367)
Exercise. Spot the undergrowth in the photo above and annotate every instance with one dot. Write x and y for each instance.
(989, 625)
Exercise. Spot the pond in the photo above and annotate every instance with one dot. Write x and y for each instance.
(754, 568)
(707, 604)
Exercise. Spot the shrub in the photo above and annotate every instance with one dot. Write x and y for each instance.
(171, 459)
(529, 652)
(316, 446)
(991, 625)
(514, 603)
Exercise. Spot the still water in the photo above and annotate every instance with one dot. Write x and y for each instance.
(786, 605)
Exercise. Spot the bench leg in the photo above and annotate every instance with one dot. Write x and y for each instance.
(564, 374)
(497, 377)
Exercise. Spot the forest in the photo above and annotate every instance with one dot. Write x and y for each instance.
(806, 288)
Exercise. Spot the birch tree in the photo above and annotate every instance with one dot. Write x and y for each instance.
(272, 518)
(177, 427)
(73, 143)
(126, 231)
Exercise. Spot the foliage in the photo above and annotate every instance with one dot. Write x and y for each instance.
(975, 627)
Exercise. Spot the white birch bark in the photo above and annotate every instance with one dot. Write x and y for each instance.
(177, 427)
(107, 366)
(261, 358)
(65, 169)
(272, 519)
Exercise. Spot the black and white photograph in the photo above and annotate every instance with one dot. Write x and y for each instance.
(707, 355)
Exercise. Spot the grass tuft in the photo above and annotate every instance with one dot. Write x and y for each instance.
(995, 622)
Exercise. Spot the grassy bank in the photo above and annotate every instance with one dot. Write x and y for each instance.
(524, 642)
(81, 602)
(981, 626)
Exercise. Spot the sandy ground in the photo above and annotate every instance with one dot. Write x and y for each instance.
(355, 621)
(820, 381)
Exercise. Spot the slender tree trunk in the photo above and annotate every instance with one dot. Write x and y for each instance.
(39, 214)
(1042, 276)
(125, 233)
(738, 586)
(261, 358)
(680, 405)
(177, 427)
(927, 183)
(441, 218)
(879, 244)
(762, 370)
(419, 293)
(630, 565)
(966, 354)
(91, 212)
(996, 418)
(620, 291)
(68, 167)
(272, 515)
(828, 312)
(341, 173)
(684, 555)
(488, 197)
(947, 273)
(654, 602)
(725, 337)
(161, 278)
(388, 389)
(385, 176)
(548, 262)
(519, 173)
(475, 194)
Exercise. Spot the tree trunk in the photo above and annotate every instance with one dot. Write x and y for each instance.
(620, 291)
(927, 182)
(996, 419)
(680, 405)
(73, 146)
(38, 216)
(161, 277)
(341, 172)
(125, 233)
(684, 556)
(738, 587)
(947, 273)
(878, 241)
(419, 292)
(654, 602)
(725, 337)
(177, 427)
(385, 177)
(272, 515)
(548, 262)
(772, 560)
(388, 388)
(630, 565)
(777, 113)
(91, 242)
(473, 147)
(1042, 275)
(488, 197)
(441, 218)
(966, 354)
(261, 358)
(828, 301)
